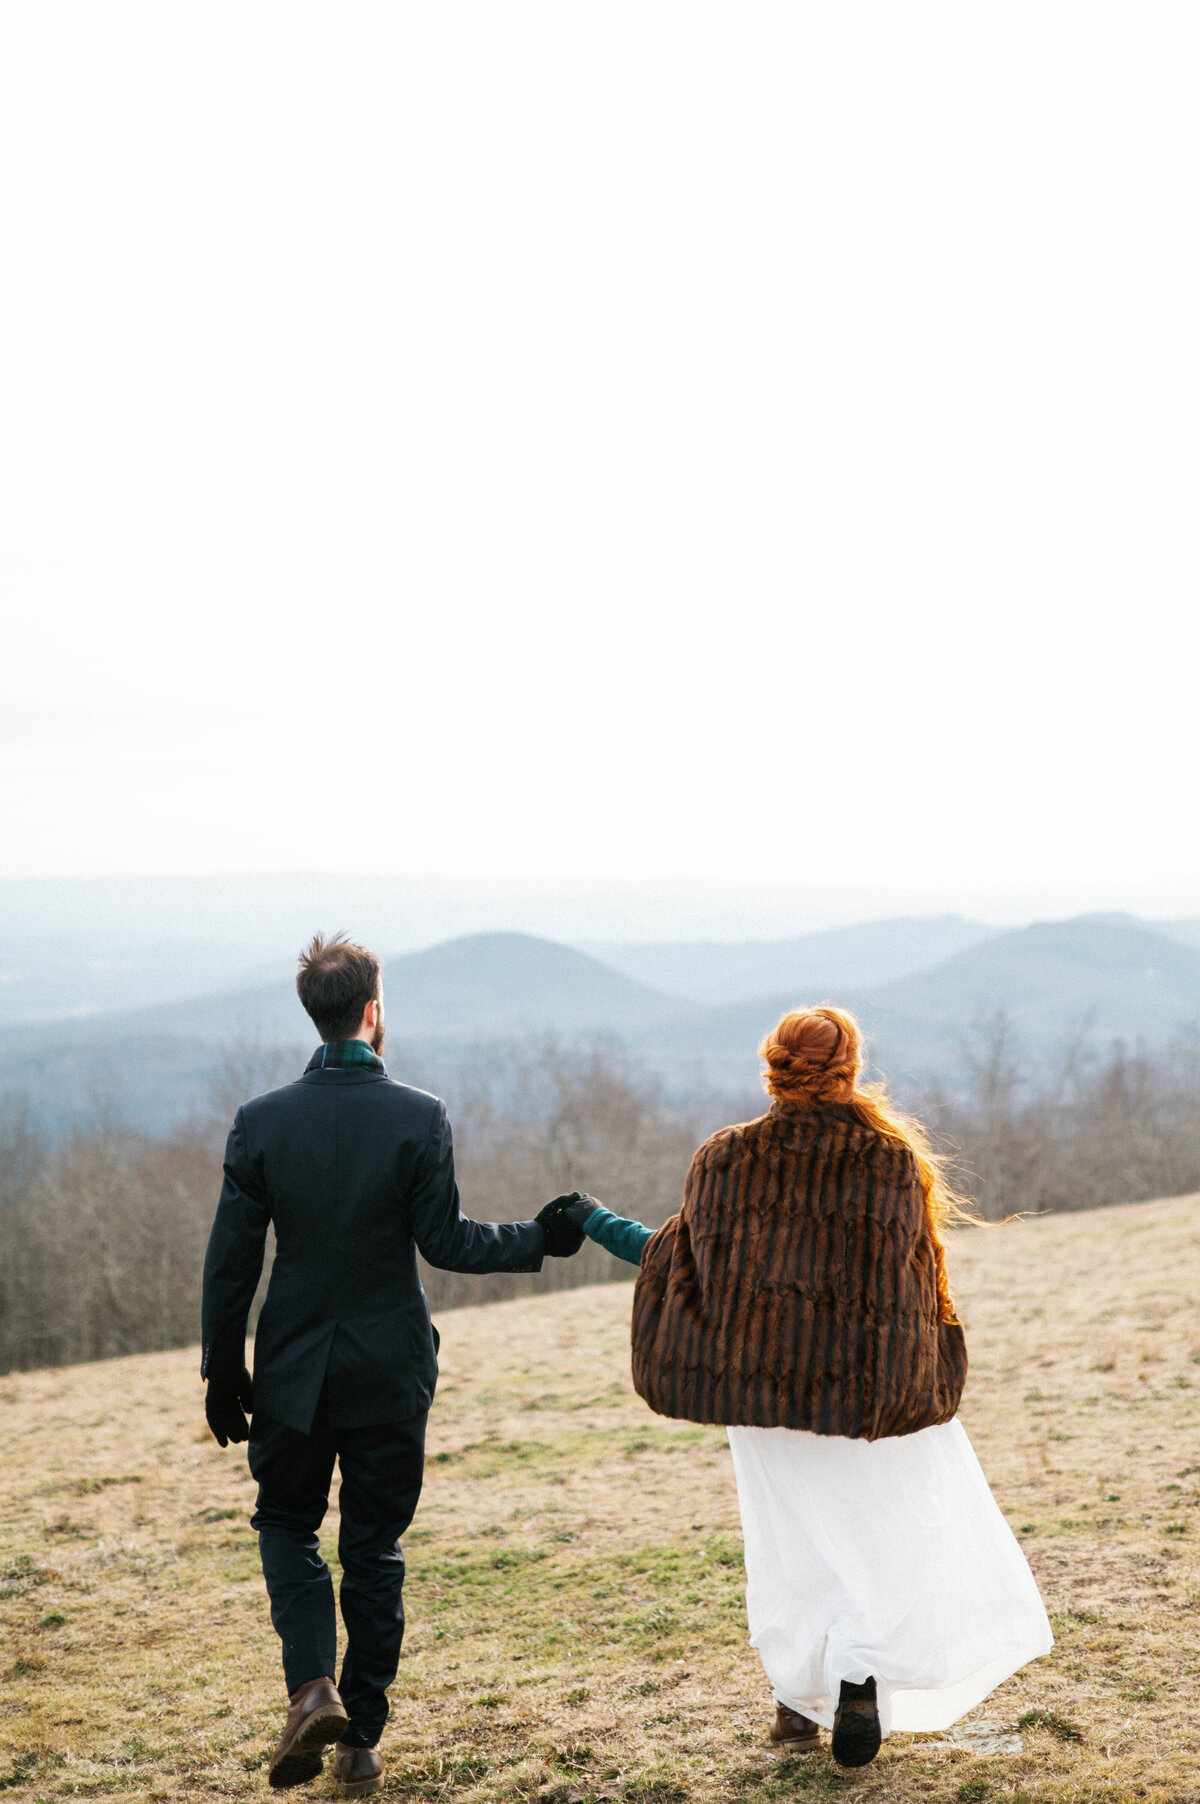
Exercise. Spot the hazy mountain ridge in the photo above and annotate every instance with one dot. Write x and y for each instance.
(1097, 978)
(865, 954)
(156, 1064)
(1105, 975)
(492, 983)
(73, 948)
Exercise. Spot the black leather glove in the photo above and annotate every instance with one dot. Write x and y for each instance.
(563, 1237)
(225, 1405)
(579, 1207)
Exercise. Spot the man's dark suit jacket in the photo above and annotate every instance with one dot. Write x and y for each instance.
(354, 1172)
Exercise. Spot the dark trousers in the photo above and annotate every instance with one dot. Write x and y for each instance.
(381, 1482)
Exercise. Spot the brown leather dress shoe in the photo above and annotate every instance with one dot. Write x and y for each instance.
(317, 1717)
(357, 1770)
(794, 1732)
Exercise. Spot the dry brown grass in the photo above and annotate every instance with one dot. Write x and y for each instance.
(576, 1627)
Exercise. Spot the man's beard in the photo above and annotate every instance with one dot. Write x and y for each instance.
(378, 1036)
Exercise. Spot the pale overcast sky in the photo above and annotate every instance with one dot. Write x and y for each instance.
(601, 439)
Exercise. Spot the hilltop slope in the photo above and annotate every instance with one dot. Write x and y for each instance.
(576, 1628)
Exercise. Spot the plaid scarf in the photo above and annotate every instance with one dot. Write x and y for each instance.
(339, 1055)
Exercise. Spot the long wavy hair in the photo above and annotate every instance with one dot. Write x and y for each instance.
(815, 1055)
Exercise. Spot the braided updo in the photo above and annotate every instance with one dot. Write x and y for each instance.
(813, 1055)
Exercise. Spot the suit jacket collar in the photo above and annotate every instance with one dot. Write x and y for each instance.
(350, 1074)
(344, 1055)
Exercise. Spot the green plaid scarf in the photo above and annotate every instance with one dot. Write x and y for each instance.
(340, 1055)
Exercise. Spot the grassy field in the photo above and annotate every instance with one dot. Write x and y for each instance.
(576, 1626)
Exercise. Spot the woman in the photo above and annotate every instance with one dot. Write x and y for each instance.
(800, 1299)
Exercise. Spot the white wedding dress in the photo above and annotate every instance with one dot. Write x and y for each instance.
(887, 1559)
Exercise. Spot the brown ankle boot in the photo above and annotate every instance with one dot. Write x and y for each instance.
(317, 1717)
(792, 1731)
(357, 1770)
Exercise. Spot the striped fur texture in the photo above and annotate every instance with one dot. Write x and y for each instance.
(796, 1287)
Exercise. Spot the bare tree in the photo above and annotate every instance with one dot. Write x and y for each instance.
(246, 1067)
(533, 1119)
(105, 1229)
(1092, 1132)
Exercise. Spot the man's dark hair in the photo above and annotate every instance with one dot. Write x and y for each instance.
(335, 982)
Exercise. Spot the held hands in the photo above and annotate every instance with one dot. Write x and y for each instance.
(563, 1235)
(225, 1405)
(579, 1206)
(562, 1222)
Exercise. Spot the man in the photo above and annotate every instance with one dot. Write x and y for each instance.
(355, 1173)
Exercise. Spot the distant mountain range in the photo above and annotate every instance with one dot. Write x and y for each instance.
(71, 947)
(87, 946)
(921, 987)
(485, 984)
(156, 1064)
(1096, 979)
(812, 964)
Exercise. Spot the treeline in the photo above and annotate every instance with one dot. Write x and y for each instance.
(533, 1121)
(104, 1229)
(1076, 1132)
(103, 1241)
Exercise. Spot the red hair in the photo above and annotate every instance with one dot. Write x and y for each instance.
(815, 1055)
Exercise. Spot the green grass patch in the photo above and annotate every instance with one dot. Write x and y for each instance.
(1061, 1727)
(554, 1597)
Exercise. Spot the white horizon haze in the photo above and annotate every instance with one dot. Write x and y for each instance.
(265, 917)
(541, 444)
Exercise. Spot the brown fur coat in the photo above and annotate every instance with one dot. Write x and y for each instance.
(796, 1286)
